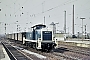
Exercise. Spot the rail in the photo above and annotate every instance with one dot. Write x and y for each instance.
(12, 57)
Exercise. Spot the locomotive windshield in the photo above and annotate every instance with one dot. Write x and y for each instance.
(47, 35)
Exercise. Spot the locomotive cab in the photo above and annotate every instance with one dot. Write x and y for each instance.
(44, 37)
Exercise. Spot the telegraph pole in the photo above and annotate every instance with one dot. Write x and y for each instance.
(17, 30)
(43, 7)
(5, 28)
(85, 31)
(43, 10)
(44, 19)
(0, 8)
(17, 25)
(65, 23)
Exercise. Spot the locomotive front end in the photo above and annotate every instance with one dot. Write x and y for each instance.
(48, 42)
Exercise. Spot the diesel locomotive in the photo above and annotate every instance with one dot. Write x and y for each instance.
(40, 38)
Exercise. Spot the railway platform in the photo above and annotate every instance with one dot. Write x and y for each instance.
(3, 53)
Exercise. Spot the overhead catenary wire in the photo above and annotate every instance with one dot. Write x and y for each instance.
(65, 3)
(36, 14)
(48, 10)
(33, 15)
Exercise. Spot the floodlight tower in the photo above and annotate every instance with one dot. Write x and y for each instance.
(82, 27)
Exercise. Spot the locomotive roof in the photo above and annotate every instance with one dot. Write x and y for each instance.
(39, 25)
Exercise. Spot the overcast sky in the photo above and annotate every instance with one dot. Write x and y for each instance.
(35, 10)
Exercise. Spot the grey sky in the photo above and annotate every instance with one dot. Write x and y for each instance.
(11, 11)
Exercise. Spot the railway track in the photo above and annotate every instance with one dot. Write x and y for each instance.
(79, 50)
(74, 51)
(53, 55)
(21, 49)
(64, 53)
(50, 56)
(15, 54)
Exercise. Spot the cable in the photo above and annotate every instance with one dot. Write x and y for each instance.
(65, 3)
(18, 8)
